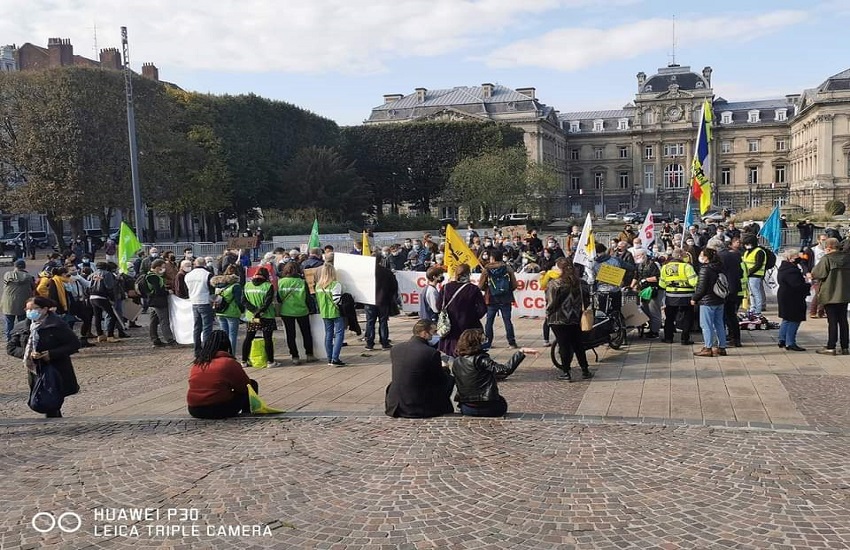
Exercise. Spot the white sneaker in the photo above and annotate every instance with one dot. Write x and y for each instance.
(272, 364)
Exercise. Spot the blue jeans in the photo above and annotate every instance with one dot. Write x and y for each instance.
(505, 311)
(713, 323)
(788, 332)
(10, 323)
(204, 317)
(334, 335)
(372, 315)
(230, 325)
(755, 286)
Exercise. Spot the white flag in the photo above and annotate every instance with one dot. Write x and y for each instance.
(586, 250)
(647, 231)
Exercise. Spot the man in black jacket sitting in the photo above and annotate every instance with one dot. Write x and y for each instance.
(420, 387)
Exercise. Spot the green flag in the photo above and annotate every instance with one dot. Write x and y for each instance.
(314, 235)
(128, 246)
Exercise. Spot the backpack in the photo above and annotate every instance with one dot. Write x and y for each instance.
(721, 286)
(769, 259)
(499, 282)
(142, 287)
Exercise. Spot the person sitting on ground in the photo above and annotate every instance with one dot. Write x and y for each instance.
(420, 386)
(476, 373)
(218, 387)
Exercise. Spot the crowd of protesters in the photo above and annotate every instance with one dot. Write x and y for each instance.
(690, 278)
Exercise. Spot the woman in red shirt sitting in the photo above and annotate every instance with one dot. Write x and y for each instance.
(218, 387)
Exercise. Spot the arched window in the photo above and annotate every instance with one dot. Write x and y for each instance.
(674, 176)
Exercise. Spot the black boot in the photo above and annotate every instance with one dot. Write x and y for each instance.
(565, 376)
(586, 374)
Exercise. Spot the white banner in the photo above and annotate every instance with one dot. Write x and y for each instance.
(529, 299)
(357, 275)
(182, 320)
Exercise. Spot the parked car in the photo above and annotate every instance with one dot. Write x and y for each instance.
(515, 219)
(663, 217)
(633, 217)
(40, 237)
(713, 216)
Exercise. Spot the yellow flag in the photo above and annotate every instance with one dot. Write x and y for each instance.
(258, 406)
(366, 250)
(457, 252)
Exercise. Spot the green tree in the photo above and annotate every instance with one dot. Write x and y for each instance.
(499, 181)
(411, 162)
(321, 179)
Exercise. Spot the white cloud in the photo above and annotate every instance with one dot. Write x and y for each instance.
(570, 49)
(308, 36)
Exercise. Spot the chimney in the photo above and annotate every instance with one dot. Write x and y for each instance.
(110, 58)
(389, 98)
(527, 91)
(487, 89)
(150, 71)
(60, 52)
(420, 94)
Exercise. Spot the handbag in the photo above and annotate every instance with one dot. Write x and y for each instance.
(444, 324)
(46, 395)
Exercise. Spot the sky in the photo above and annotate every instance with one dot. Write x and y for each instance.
(337, 58)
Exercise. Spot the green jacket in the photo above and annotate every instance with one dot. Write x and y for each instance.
(259, 300)
(833, 272)
(292, 292)
(328, 300)
(232, 294)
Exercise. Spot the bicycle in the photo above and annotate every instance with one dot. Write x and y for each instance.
(609, 327)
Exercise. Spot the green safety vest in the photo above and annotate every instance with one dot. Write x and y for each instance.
(256, 295)
(750, 261)
(293, 297)
(233, 310)
(744, 279)
(678, 279)
(324, 297)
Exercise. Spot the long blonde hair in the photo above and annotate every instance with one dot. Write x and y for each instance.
(326, 276)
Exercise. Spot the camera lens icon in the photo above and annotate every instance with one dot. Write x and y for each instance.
(67, 522)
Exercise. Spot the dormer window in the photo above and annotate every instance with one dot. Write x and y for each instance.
(598, 125)
(623, 124)
(753, 116)
(574, 127)
(781, 114)
(647, 88)
(699, 84)
(726, 117)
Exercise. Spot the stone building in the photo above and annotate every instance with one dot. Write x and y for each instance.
(60, 53)
(544, 140)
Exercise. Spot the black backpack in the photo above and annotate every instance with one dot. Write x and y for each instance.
(769, 259)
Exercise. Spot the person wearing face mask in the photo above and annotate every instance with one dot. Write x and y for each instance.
(420, 386)
(711, 305)
(464, 303)
(647, 276)
(397, 258)
(44, 338)
(475, 375)
(429, 297)
(419, 257)
(180, 288)
(77, 289)
(153, 287)
(755, 258)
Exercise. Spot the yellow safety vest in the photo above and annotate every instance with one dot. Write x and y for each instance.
(750, 261)
(744, 279)
(678, 278)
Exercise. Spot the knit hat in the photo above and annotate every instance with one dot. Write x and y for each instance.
(20, 264)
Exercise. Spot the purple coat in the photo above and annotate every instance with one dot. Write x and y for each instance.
(465, 312)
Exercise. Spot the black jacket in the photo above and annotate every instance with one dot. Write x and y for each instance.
(792, 292)
(475, 376)
(420, 386)
(54, 336)
(704, 293)
(386, 290)
(731, 260)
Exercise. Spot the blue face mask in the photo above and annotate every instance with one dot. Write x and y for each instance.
(33, 314)
(434, 340)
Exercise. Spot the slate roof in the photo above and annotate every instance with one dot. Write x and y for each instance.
(460, 95)
(837, 82)
(595, 115)
(682, 76)
(777, 103)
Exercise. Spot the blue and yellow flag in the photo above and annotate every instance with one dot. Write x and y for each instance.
(701, 165)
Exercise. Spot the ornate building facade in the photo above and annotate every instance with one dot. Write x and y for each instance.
(792, 151)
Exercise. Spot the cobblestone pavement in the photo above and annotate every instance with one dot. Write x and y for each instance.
(346, 483)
